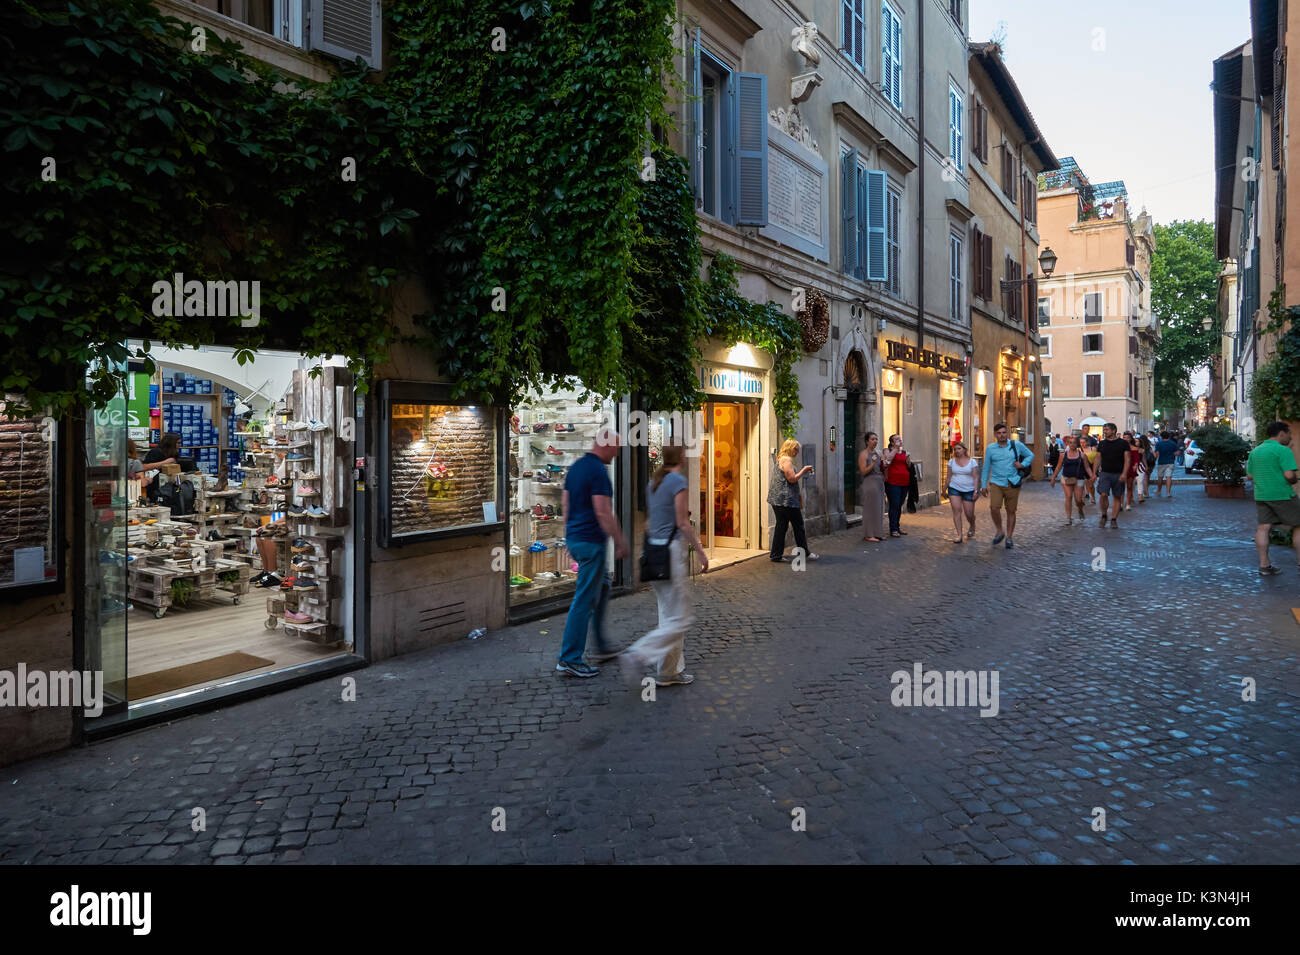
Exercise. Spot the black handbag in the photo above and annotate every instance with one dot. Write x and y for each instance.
(1014, 480)
(657, 559)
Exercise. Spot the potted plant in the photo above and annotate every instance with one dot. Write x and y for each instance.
(1223, 460)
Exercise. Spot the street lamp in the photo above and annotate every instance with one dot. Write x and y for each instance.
(1047, 261)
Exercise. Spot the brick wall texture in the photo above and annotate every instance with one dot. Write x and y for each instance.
(25, 467)
(461, 440)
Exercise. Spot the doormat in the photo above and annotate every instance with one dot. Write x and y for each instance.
(175, 678)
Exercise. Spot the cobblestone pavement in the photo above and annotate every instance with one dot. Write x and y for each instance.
(1119, 689)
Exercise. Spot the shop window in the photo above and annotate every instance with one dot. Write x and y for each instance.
(440, 465)
(31, 555)
(548, 432)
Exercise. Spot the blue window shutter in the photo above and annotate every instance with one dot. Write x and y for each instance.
(898, 63)
(751, 149)
(347, 29)
(849, 210)
(861, 271)
(696, 106)
(876, 267)
(886, 74)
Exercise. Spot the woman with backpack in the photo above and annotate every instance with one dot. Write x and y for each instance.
(668, 519)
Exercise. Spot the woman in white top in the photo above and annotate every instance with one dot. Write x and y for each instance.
(963, 486)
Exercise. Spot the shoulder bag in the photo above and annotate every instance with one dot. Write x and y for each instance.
(656, 558)
(1014, 480)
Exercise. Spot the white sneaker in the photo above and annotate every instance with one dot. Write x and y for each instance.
(315, 425)
(297, 425)
(682, 678)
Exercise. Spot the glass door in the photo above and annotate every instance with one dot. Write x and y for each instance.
(106, 551)
(724, 474)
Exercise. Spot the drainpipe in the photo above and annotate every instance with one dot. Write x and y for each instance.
(1024, 295)
(920, 212)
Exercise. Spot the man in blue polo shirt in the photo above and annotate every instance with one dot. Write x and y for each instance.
(1006, 462)
(589, 522)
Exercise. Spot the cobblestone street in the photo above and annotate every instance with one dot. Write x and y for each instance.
(1119, 689)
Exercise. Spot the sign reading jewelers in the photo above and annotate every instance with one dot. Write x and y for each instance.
(718, 380)
(900, 351)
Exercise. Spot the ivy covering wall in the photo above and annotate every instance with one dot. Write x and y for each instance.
(498, 159)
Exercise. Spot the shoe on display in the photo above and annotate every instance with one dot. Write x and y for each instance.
(257, 581)
(270, 580)
(298, 457)
(515, 550)
(305, 491)
(542, 477)
(528, 474)
(550, 510)
(550, 449)
(298, 426)
(288, 583)
(293, 616)
(301, 562)
(214, 535)
(304, 583)
(309, 476)
(536, 448)
(554, 468)
(539, 511)
(519, 580)
(314, 425)
(301, 545)
(540, 427)
(536, 547)
(296, 511)
(318, 512)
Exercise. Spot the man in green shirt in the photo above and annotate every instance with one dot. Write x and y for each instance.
(1272, 467)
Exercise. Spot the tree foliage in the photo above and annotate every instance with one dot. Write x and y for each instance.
(1184, 294)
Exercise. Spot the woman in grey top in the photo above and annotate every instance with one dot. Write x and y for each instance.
(669, 517)
(871, 491)
(783, 495)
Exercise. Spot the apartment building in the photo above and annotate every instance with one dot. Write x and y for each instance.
(1252, 139)
(1008, 153)
(1094, 312)
(831, 154)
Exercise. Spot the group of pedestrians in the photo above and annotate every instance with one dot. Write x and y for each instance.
(1110, 465)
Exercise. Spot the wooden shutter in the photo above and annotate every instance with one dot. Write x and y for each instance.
(1032, 304)
(347, 29)
(1279, 101)
(984, 133)
(863, 205)
(751, 149)
(849, 210)
(988, 265)
(976, 256)
(877, 267)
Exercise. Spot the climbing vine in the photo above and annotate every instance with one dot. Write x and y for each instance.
(1275, 387)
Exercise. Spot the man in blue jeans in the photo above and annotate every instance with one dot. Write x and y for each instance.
(589, 522)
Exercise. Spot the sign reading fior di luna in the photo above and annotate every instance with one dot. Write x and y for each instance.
(900, 351)
(730, 381)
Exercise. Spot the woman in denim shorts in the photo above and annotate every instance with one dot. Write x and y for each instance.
(963, 485)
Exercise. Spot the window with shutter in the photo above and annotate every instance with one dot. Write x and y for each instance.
(854, 27)
(892, 242)
(1008, 303)
(1031, 295)
(1132, 345)
(956, 105)
(849, 210)
(1092, 344)
(348, 29)
(751, 149)
(1092, 307)
(1047, 382)
(954, 278)
(891, 60)
(877, 262)
(976, 250)
(1092, 386)
(1044, 310)
(1279, 100)
(987, 260)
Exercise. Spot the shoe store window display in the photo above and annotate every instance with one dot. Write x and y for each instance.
(268, 535)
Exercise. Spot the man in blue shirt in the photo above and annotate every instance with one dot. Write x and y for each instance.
(589, 522)
(1005, 465)
(1166, 454)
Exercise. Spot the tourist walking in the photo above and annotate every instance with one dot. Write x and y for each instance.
(1134, 467)
(1148, 467)
(668, 522)
(898, 477)
(589, 522)
(963, 486)
(1273, 469)
(1005, 464)
(1113, 463)
(783, 495)
(871, 489)
(1167, 450)
(1074, 470)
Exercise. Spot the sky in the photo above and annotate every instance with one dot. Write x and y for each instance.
(1124, 88)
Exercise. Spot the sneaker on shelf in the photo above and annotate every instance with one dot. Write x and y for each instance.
(296, 511)
(305, 491)
(293, 616)
(301, 545)
(302, 562)
(540, 427)
(318, 512)
(314, 425)
(214, 535)
(309, 476)
(298, 457)
(304, 583)
(288, 583)
(519, 580)
(270, 580)
(515, 550)
(536, 547)
(298, 426)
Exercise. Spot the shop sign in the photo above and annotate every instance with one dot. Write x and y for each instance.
(900, 351)
(716, 380)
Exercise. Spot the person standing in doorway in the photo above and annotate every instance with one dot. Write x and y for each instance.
(898, 478)
(1073, 470)
(783, 495)
(871, 468)
(589, 522)
(1167, 450)
(669, 520)
(963, 486)
(1273, 469)
(1006, 462)
(1113, 461)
